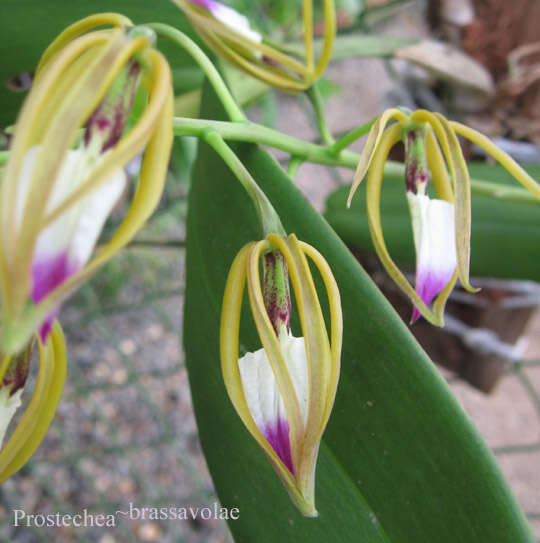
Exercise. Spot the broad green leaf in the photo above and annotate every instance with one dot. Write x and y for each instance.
(505, 235)
(400, 461)
(28, 26)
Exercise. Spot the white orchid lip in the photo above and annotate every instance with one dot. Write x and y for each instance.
(433, 226)
(65, 246)
(9, 403)
(230, 18)
(264, 399)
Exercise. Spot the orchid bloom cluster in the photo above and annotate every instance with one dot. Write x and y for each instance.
(65, 174)
(441, 226)
(231, 36)
(283, 392)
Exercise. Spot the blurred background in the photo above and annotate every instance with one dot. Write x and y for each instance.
(125, 431)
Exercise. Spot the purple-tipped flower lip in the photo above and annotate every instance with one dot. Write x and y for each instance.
(66, 245)
(434, 240)
(428, 285)
(48, 272)
(277, 435)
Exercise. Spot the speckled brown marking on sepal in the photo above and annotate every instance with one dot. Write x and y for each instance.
(416, 169)
(18, 370)
(110, 118)
(276, 292)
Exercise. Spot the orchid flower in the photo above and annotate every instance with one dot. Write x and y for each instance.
(65, 173)
(442, 225)
(230, 35)
(230, 17)
(283, 392)
(32, 426)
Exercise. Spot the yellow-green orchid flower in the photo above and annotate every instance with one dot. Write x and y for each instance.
(230, 35)
(442, 225)
(65, 172)
(33, 424)
(283, 392)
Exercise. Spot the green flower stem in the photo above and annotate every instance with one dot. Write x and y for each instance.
(351, 137)
(186, 43)
(255, 133)
(270, 221)
(294, 165)
(315, 97)
(503, 192)
(4, 155)
(248, 131)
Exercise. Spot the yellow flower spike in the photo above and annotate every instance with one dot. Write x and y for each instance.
(284, 392)
(33, 425)
(56, 198)
(229, 34)
(441, 226)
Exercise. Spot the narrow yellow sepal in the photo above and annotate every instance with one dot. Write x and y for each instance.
(371, 146)
(462, 187)
(78, 28)
(38, 416)
(500, 156)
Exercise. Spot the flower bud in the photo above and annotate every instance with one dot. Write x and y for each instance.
(283, 392)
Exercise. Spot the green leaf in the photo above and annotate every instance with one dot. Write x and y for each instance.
(29, 26)
(400, 461)
(504, 235)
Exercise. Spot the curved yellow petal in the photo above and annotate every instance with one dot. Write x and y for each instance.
(462, 187)
(38, 416)
(440, 301)
(328, 37)
(437, 167)
(307, 18)
(499, 155)
(336, 323)
(78, 28)
(424, 116)
(371, 146)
